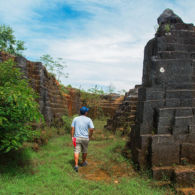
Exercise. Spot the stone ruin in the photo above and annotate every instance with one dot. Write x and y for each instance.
(110, 103)
(54, 103)
(163, 138)
(124, 117)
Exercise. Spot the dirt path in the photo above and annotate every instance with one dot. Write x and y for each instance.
(102, 171)
(108, 165)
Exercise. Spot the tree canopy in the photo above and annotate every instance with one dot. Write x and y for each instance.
(8, 42)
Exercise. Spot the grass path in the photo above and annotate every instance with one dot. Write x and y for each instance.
(50, 171)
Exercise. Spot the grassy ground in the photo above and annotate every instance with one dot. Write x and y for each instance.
(50, 170)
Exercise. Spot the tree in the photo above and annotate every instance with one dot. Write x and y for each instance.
(122, 91)
(92, 98)
(18, 108)
(111, 88)
(8, 42)
(55, 67)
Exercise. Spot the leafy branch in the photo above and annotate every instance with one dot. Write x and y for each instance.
(54, 66)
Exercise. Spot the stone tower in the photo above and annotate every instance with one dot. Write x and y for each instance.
(164, 134)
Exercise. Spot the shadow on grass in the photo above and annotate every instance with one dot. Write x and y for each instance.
(71, 162)
(16, 162)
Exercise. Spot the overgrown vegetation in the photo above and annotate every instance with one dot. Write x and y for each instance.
(17, 108)
(67, 121)
(8, 42)
(50, 170)
(64, 89)
(167, 28)
(92, 99)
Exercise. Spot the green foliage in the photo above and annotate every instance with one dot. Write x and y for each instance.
(92, 99)
(50, 171)
(54, 66)
(167, 28)
(17, 108)
(64, 89)
(111, 88)
(67, 123)
(127, 130)
(67, 120)
(8, 42)
(96, 91)
(122, 91)
(100, 123)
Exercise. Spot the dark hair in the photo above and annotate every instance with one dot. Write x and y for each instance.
(82, 112)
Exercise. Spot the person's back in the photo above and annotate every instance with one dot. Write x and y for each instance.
(82, 124)
(81, 132)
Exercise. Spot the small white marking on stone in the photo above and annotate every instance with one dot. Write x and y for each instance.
(162, 70)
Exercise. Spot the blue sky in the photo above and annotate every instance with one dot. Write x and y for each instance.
(102, 41)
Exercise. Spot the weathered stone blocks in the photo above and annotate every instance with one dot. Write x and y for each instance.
(124, 118)
(166, 100)
(53, 102)
(163, 173)
(185, 177)
(165, 150)
(188, 152)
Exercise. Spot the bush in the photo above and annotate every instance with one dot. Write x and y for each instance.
(92, 99)
(67, 121)
(17, 108)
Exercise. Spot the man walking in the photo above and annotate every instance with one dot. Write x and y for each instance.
(82, 131)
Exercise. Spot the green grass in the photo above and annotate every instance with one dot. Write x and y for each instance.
(50, 171)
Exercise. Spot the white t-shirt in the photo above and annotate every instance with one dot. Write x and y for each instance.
(82, 124)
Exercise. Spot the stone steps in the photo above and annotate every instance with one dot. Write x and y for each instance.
(125, 115)
(183, 176)
(185, 191)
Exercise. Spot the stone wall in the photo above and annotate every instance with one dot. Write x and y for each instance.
(73, 101)
(53, 102)
(124, 117)
(164, 134)
(108, 103)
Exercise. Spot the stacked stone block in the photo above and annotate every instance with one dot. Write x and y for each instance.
(110, 103)
(164, 134)
(124, 118)
(53, 104)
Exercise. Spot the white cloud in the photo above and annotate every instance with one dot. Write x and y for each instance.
(104, 47)
(112, 49)
(18, 11)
